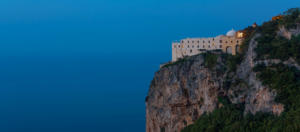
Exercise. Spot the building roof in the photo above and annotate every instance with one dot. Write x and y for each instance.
(231, 32)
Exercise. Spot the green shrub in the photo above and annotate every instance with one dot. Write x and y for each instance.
(210, 60)
(290, 18)
(271, 46)
(179, 61)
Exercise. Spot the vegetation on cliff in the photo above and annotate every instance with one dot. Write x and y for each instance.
(282, 77)
(285, 80)
(272, 46)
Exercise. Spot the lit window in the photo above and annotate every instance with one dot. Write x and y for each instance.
(240, 34)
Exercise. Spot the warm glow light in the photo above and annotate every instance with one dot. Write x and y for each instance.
(240, 35)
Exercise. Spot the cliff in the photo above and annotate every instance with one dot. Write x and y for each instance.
(179, 94)
(202, 88)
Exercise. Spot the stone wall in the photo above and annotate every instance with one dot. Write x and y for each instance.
(193, 46)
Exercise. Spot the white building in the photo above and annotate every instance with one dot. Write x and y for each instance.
(228, 43)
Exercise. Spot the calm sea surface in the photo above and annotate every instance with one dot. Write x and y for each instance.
(91, 93)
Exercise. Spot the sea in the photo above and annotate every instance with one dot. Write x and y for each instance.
(75, 93)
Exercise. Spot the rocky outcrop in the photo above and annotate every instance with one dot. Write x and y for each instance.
(257, 97)
(288, 33)
(179, 94)
(284, 33)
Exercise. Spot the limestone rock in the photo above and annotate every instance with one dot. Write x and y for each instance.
(179, 94)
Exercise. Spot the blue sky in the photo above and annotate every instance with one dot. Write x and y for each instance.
(54, 27)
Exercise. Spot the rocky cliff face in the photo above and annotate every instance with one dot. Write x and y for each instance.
(255, 96)
(181, 93)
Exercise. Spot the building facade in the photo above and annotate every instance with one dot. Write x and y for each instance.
(228, 43)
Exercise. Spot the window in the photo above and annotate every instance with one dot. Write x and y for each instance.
(231, 41)
(188, 41)
(191, 51)
(188, 46)
(226, 42)
(174, 46)
(203, 46)
(208, 41)
(182, 41)
(237, 41)
(213, 39)
(178, 46)
(208, 46)
(220, 41)
(198, 41)
(193, 46)
(193, 41)
(198, 46)
(220, 46)
(203, 41)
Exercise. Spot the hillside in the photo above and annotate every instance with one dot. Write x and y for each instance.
(256, 90)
